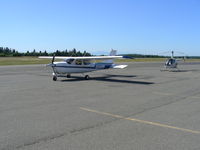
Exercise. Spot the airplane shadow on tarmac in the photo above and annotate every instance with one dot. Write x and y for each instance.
(108, 78)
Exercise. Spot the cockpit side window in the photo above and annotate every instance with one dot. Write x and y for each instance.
(78, 62)
(69, 61)
(172, 61)
(86, 62)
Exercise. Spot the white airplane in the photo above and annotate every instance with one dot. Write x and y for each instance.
(72, 65)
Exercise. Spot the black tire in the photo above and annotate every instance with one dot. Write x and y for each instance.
(87, 77)
(54, 78)
(68, 76)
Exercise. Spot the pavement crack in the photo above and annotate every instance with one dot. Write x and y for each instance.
(55, 136)
(77, 131)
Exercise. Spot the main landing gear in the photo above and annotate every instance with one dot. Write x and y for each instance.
(87, 77)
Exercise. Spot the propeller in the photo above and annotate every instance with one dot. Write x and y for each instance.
(52, 64)
(53, 59)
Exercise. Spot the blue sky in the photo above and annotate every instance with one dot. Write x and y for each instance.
(130, 26)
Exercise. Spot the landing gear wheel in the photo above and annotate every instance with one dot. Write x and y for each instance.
(87, 77)
(54, 78)
(68, 76)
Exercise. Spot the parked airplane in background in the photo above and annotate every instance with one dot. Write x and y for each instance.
(72, 65)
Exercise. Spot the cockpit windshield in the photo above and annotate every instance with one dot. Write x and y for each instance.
(170, 62)
(79, 61)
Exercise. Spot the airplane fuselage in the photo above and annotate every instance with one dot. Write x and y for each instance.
(64, 68)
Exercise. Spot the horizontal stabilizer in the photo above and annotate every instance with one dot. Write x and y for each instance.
(120, 66)
(128, 57)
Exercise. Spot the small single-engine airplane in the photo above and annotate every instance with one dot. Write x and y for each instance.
(72, 65)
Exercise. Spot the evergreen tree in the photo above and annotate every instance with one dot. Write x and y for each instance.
(12, 52)
(45, 53)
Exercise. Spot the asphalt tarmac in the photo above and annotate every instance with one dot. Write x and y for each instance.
(140, 108)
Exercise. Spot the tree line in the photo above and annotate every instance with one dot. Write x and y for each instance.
(8, 52)
(159, 56)
(145, 56)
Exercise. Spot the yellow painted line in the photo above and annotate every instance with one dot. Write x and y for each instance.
(162, 93)
(141, 121)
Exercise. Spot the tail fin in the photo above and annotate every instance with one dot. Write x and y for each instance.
(113, 52)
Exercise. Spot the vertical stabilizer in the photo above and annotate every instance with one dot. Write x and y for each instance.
(113, 52)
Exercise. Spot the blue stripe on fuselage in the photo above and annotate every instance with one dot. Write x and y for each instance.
(76, 67)
(105, 66)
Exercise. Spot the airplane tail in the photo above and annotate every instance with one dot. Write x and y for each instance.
(112, 53)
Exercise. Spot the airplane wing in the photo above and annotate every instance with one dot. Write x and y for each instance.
(88, 57)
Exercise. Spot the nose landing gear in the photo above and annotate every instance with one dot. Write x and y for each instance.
(54, 78)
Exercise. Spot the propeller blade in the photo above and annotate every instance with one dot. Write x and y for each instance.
(53, 58)
(53, 65)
